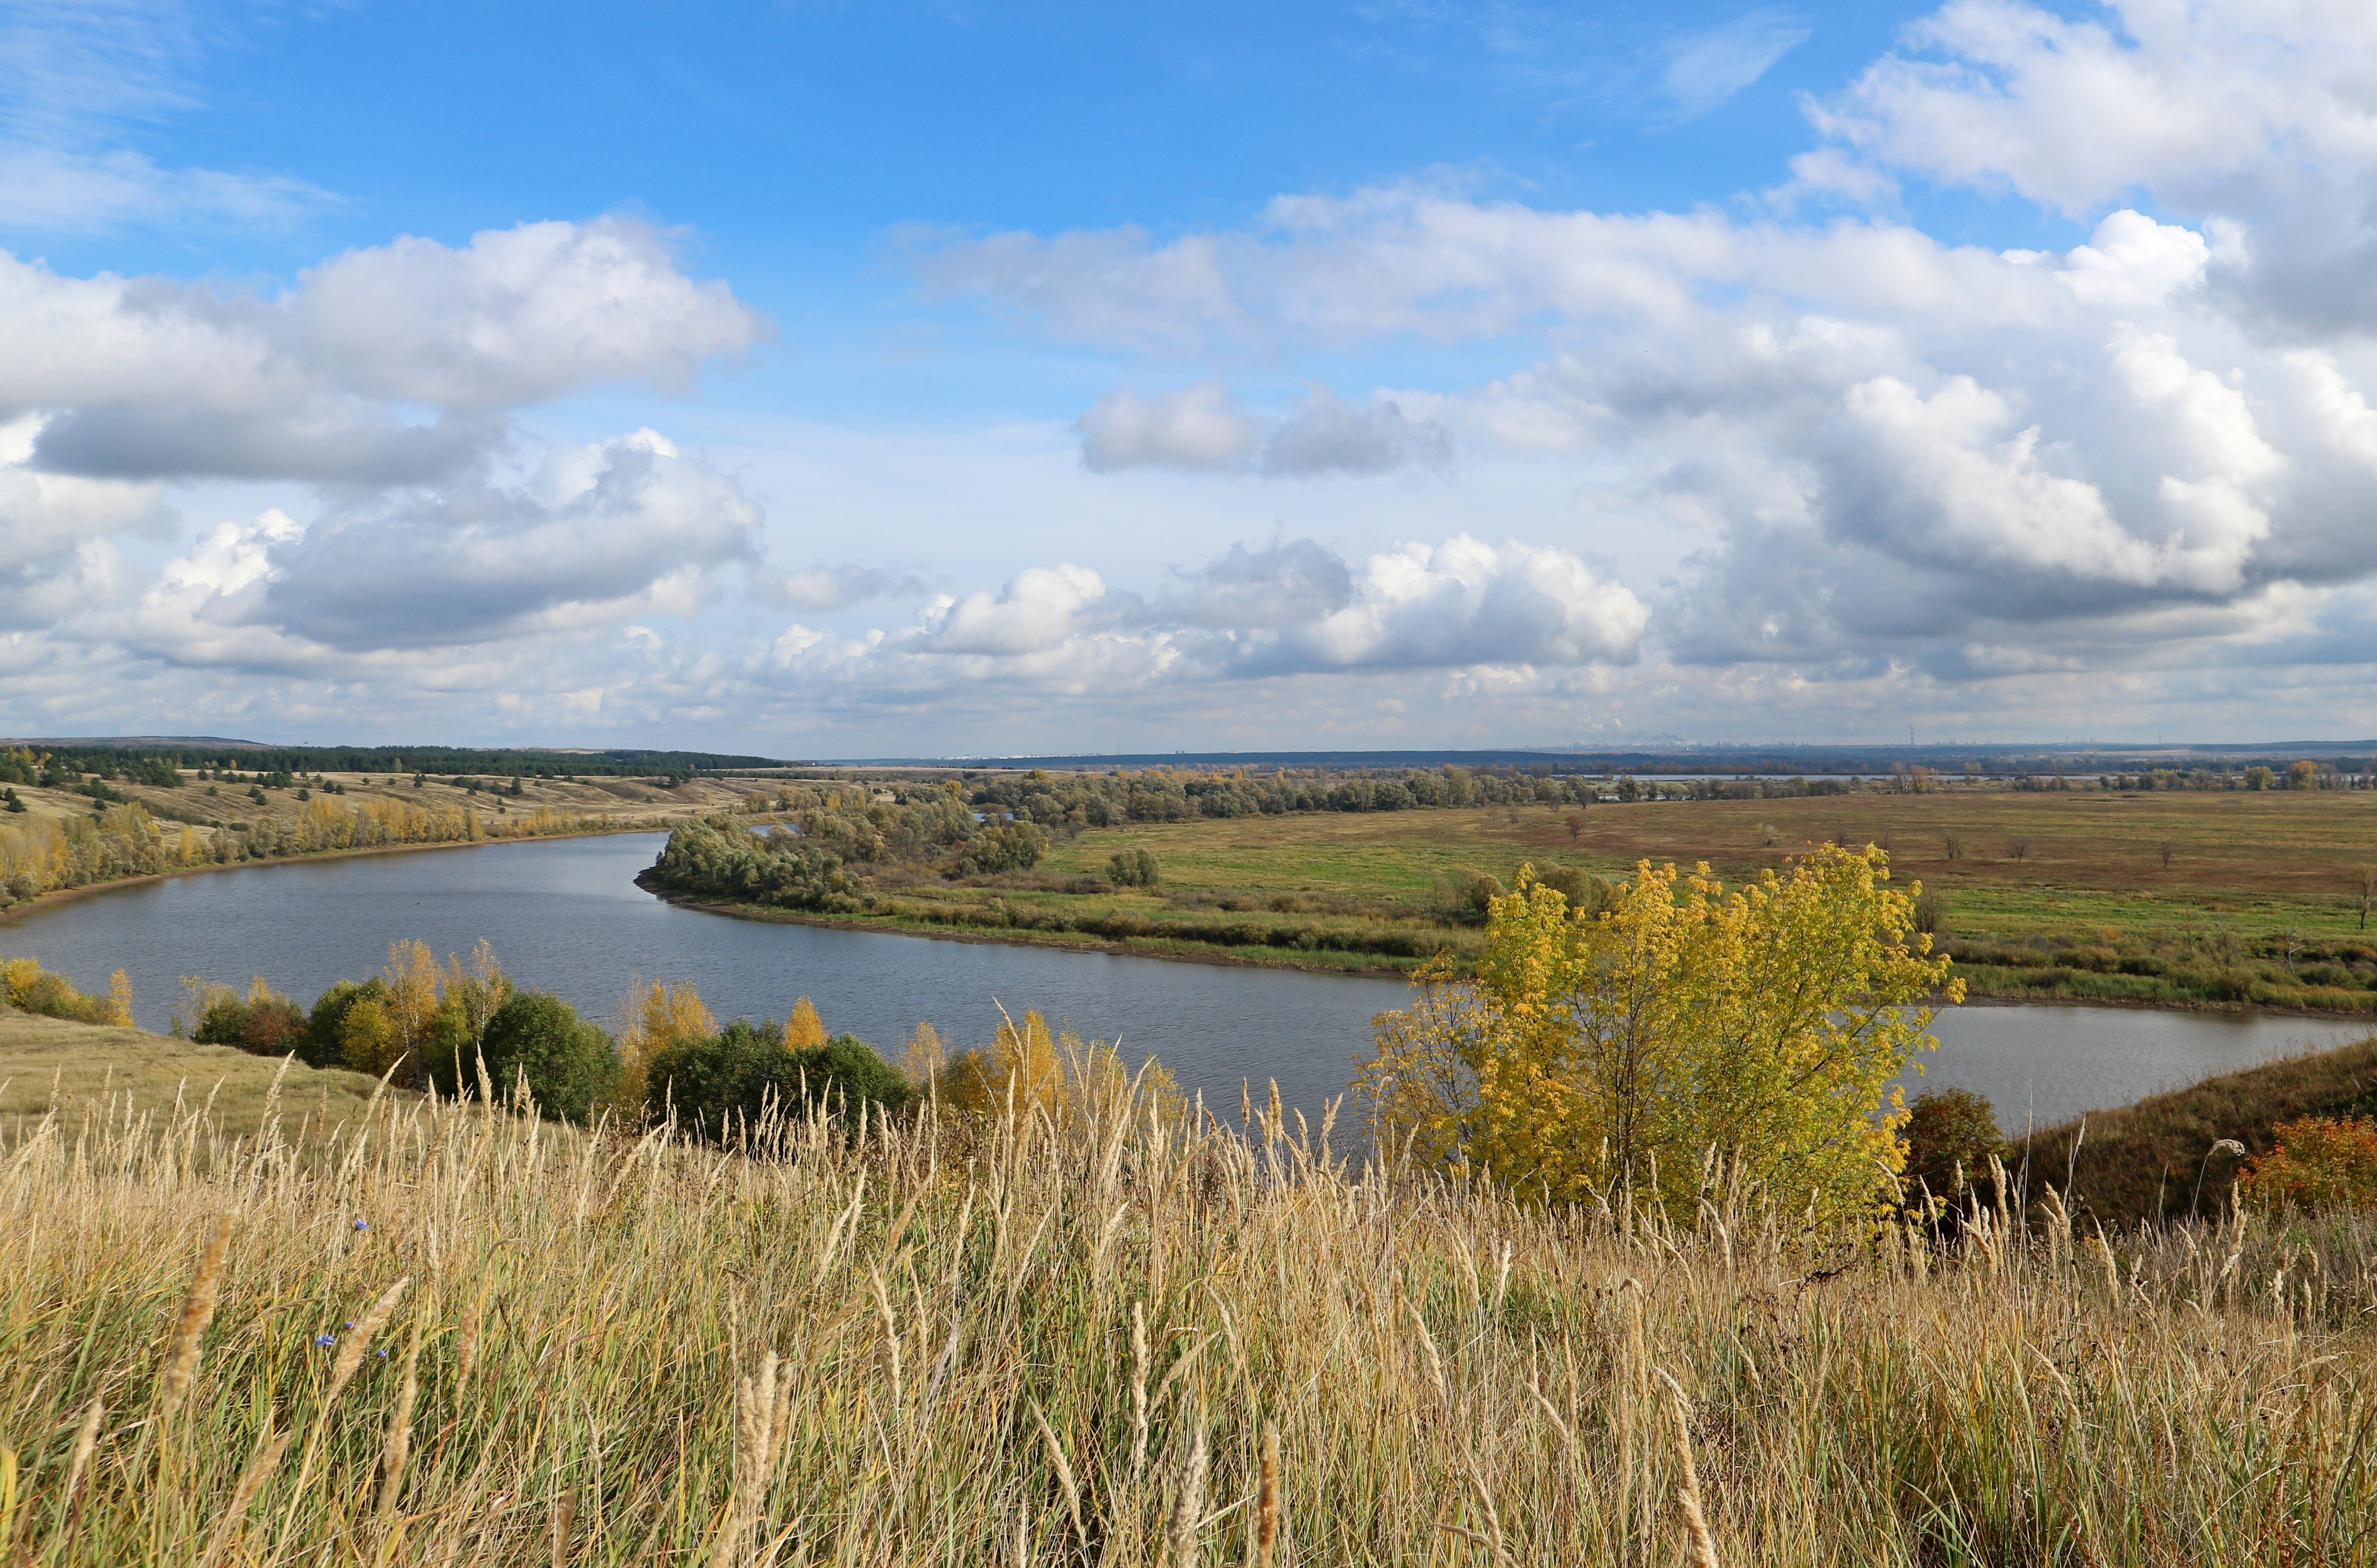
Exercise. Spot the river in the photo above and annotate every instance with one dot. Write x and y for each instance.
(565, 915)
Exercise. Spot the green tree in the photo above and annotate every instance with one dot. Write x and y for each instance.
(1134, 868)
(724, 1083)
(322, 1043)
(538, 1041)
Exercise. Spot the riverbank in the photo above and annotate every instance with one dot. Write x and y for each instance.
(57, 897)
(1315, 961)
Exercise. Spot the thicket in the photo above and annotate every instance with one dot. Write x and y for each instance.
(28, 987)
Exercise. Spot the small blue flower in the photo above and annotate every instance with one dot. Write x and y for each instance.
(326, 1340)
(383, 1355)
(361, 1223)
(351, 1323)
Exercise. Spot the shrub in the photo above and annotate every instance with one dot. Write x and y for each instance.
(2319, 1162)
(1015, 846)
(1134, 868)
(722, 1084)
(323, 1041)
(28, 987)
(1949, 1134)
(1588, 894)
(263, 1023)
(568, 1064)
(1465, 897)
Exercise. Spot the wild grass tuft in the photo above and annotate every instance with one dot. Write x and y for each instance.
(1117, 1338)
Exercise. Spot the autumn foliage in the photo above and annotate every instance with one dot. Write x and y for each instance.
(2319, 1162)
(1760, 1026)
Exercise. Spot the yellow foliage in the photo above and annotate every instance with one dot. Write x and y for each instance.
(1762, 1026)
(368, 1037)
(922, 1057)
(653, 1018)
(119, 1000)
(803, 1027)
(411, 979)
(1027, 1069)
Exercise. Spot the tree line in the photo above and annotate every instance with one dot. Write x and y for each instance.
(41, 855)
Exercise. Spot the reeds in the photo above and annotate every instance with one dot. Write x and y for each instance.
(1120, 1339)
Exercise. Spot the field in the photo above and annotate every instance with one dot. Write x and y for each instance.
(213, 808)
(2237, 898)
(1081, 1335)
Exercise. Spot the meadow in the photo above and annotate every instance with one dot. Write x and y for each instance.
(2174, 898)
(1086, 1333)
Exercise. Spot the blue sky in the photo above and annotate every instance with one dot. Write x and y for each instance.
(836, 379)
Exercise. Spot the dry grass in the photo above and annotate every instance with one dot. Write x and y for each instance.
(1122, 1342)
(80, 1071)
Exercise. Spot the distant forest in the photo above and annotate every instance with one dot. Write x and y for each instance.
(155, 764)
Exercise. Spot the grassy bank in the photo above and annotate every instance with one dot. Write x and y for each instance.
(2157, 1160)
(1086, 1338)
(73, 839)
(2235, 899)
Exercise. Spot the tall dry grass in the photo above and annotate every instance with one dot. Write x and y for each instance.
(1142, 1339)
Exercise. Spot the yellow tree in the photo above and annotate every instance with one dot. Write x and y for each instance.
(653, 1018)
(412, 981)
(803, 1028)
(1765, 1024)
(119, 1000)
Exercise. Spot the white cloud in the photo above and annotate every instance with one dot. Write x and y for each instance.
(1293, 609)
(1202, 428)
(146, 378)
(600, 535)
(1706, 68)
(1196, 427)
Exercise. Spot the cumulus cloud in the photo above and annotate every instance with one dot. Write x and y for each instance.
(146, 378)
(1291, 609)
(597, 536)
(1327, 436)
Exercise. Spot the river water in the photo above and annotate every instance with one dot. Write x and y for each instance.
(565, 915)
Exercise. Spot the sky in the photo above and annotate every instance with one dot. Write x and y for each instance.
(850, 380)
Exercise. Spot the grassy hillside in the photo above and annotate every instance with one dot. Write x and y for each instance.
(2142, 1162)
(86, 1071)
(1079, 1337)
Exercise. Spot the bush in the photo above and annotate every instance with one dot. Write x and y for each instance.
(323, 1042)
(1949, 1134)
(260, 1024)
(1586, 893)
(568, 1064)
(1134, 868)
(1015, 846)
(2319, 1163)
(1463, 897)
(722, 1084)
(28, 987)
